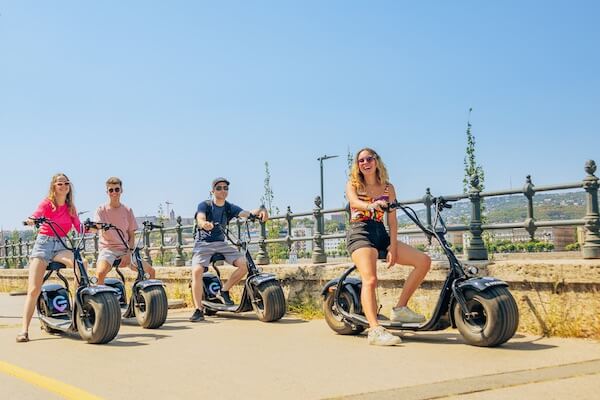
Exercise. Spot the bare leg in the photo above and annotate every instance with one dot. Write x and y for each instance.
(37, 267)
(197, 292)
(147, 269)
(239, 273)
(103, 267)
(421, 262)
(365, 259)
(66, 257)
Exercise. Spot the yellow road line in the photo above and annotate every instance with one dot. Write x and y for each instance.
(52, 385)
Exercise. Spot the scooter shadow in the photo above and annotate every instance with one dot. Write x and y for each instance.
(150, 337)
(455, 338)
(250, 316)
(167, 326)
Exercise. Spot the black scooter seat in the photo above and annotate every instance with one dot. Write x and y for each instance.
(217, 257)
(55, 266)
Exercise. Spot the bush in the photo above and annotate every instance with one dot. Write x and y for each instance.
(573, 247)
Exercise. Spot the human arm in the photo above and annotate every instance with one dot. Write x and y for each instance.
(260, 212)
(359, 204)
(393, 226)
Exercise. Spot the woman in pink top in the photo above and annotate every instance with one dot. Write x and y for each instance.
(60, 208)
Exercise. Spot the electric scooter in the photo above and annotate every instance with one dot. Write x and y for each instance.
(92, 311)
(262, 291)
(148, 302)
(482, 308)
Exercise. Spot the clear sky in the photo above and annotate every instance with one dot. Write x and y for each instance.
(168, 95)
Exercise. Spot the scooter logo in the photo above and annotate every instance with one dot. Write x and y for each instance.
(60, 303)
(214, 287)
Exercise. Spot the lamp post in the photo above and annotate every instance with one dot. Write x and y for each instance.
(321, 159)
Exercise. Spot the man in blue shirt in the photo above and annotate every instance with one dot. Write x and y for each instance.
(211, 240)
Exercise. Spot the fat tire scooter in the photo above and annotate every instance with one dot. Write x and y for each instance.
(148, 302)
(92, 311)
(482, 308)
(262, 292)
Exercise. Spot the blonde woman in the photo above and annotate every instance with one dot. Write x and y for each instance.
(369, 192)
(59, 207)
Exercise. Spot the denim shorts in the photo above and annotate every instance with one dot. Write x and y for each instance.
(203, 251)
(46, 247)
(110, 255)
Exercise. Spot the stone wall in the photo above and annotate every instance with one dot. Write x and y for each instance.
(557, 297)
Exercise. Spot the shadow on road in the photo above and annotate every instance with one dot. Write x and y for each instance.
(455, 338)
(149, 337)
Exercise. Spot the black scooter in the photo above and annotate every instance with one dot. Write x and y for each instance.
(482, 308)
(262, 292)
(148, 302)
(93, 311)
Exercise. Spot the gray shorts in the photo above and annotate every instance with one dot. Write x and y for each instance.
(46, 247)
(203, 251)
(110, 255)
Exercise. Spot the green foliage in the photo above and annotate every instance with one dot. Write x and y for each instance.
(506, 246)
(573, 247)
(268, 197)
(471, 165)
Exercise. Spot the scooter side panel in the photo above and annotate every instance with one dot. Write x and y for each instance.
(481, 283)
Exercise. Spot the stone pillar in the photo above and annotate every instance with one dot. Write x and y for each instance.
(179, 259)
(529, 192)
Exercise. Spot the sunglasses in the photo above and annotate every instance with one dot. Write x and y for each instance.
(63, 183)
(225, 188)
(366, 160)
(116, 190)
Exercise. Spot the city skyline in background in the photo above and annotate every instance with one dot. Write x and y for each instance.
(168, 97)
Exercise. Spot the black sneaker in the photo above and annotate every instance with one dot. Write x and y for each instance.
(224, 297)
(197, 316)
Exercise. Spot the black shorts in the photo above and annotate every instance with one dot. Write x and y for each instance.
(368, 234)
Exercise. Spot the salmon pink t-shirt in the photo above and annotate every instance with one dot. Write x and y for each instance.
(122, 217)
(58, 214)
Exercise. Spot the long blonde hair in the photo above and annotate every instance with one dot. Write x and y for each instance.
(68, 200)
(357, 178)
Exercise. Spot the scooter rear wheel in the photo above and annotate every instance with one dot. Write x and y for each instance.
(270, 302)
(151, 307)
(334, 319)
(101, 318)
(496, 321)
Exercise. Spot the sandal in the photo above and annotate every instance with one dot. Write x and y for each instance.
(22, 337)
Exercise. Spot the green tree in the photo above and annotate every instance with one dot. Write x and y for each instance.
(471, 165)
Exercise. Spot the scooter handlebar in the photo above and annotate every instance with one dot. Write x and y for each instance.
(149, 225)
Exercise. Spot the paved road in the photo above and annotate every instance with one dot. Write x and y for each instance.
(241, 357)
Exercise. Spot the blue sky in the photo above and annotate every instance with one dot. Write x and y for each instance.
(168, 95)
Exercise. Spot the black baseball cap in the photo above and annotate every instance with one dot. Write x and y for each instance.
(217, 180)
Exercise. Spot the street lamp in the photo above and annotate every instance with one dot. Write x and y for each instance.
(321, 159)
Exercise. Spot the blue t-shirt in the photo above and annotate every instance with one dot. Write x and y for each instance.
(218, 215)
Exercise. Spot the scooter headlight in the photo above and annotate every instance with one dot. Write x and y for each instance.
(472, 270)
(93, 280)
(146, 275)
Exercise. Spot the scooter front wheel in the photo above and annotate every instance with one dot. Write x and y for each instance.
(334, 318)
(269, 302)
(495, 317)
(99, 320)
(151, 307)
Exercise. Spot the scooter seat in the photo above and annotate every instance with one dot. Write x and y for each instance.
(55, 266)
(217, 257)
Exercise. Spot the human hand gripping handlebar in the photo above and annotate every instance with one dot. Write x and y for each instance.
(149, 225)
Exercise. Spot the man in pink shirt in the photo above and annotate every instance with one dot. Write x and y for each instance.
(111, 246)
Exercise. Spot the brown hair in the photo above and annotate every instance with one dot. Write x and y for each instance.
(113, 180)
(357, 178)
(69, 200)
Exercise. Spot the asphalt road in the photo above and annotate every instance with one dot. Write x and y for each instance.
(237, 356)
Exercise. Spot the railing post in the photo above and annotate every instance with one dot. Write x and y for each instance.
(591, 247)
(21, 263)
(179, 261)
(318, 256)
(529, 192)
(27, 249)
(262, 257)
(288, 218)
(147, 257)
(427, 201)
(476, 249)
(6, 260)
(15, 257)
(96, 247)
(161, 247)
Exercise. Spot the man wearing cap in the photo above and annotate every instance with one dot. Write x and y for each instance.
(211, 240)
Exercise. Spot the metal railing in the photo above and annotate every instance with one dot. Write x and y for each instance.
(15, 253)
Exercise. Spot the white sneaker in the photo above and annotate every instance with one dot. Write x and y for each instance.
(379, 336)
(405, 314)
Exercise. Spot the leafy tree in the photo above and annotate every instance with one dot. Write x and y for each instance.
(471, 165)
